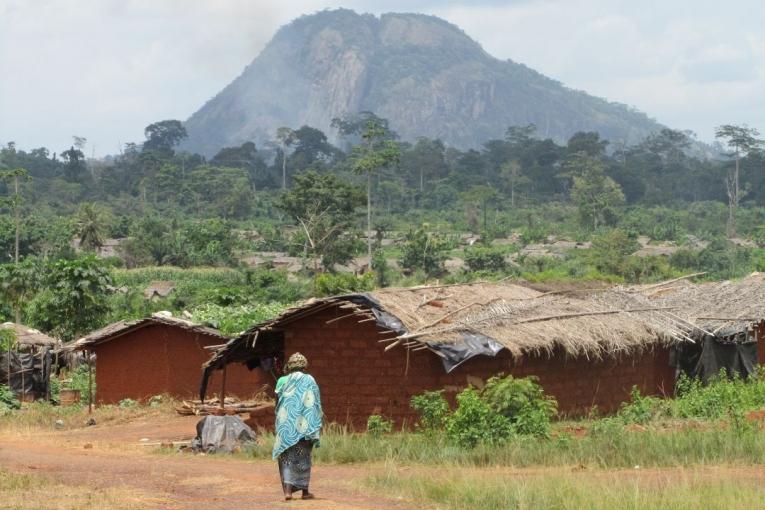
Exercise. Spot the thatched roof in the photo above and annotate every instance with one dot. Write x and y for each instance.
(29, 336)
(118, 329)
(581, 322)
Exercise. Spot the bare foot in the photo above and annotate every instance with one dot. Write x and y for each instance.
(308, 495)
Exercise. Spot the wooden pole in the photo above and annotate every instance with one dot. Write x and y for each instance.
(90, 383)
(223, 389)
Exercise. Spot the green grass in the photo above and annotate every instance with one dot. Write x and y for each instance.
(608, 444)
(481, 490)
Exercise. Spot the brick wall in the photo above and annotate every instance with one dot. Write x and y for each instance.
(357, 378)
(161, 359)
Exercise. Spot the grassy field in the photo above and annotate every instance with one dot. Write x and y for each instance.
(604, 446)
(482, 489)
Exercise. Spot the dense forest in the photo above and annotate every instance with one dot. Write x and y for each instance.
(373, 211)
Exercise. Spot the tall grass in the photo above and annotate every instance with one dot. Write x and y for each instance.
(608, 444)
(458, 489)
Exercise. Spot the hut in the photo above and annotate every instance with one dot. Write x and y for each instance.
(157, 355)
(26, 367)
(371, 352)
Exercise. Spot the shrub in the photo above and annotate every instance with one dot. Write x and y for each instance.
(523, 402)
(8, 401)
(424, 251)
(641, 409)
(475, 422)
(377, 425)
(79, 381)
(329, 284)
(127, 403)
(432, 408)
(479, 258)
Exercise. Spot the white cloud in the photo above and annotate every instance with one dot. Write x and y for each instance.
(105, 69)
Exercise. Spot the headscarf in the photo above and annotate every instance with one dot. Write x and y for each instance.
(296, 362)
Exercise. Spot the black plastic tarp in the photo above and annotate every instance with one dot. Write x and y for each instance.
(29, 373)
(733, 350)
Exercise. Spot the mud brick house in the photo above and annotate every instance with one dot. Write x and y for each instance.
(371, 352)
(159, 355)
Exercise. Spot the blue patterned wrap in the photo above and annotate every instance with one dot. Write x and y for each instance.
(298, 412)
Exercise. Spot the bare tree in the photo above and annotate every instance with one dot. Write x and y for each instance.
(742, 140)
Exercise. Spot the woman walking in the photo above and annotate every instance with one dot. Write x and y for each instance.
(298, 424)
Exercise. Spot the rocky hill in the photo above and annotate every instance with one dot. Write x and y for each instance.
(423, 74)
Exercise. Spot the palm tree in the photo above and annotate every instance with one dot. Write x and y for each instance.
(90, 227)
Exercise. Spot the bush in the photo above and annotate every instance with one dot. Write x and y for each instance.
(424, 251)
(523, 402)
(641, 409)
(432, 408)
(332, 284)
(377, 425)
(479, 258)
(8, 400)
(127, 403)
(474, 422)
(79, 381)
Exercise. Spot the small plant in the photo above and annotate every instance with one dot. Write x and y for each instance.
(523, 402)
(332, 284)
(433, 410)
(156, 401)
(377, 426)
(480, 258)
(475, 422)
(127, 403)
(8, 401)
(641, 409)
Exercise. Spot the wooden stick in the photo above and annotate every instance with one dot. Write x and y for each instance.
(391, 346)
(330, 321)
(223, 389)
(662, 284)
(458, 310)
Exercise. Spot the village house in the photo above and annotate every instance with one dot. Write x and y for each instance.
(370, 353)
(159, 355)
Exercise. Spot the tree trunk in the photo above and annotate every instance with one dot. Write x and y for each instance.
(369, 215)
(18, 219)
(284, 167)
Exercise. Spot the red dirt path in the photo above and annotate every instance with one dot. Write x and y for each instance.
(183, 481)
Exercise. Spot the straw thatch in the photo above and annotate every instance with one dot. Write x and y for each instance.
(581, 322)
(121, 328)
(26, 336)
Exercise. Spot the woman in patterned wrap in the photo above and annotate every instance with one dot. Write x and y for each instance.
(298, 424)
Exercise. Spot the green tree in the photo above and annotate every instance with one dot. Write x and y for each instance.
(376, 152)
(286, 137)
(18, 282)
(742, 140)
(76, 303)
(423, 251)
(323, 206)
(163, 136)
(90, 227)
(596, 195)
(15, 202)
(74, 167)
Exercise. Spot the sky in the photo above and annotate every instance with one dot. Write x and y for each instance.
(105, 69)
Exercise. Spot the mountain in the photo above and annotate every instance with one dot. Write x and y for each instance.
(423, 74)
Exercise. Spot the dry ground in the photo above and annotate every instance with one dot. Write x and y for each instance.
(119, 471)
(42, 468)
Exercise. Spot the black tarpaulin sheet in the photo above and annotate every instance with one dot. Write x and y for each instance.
(222, 434)
(30, 373)
(467, 347)
(733, 350)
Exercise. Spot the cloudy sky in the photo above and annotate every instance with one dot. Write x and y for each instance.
(104, 69)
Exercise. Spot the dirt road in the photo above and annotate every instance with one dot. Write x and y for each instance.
(117, 459)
